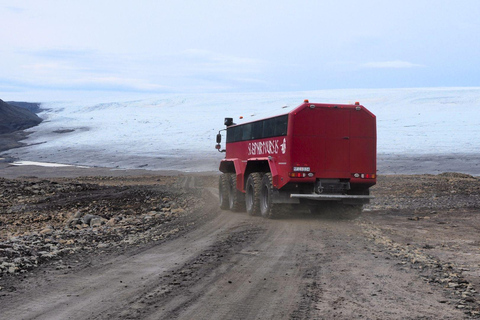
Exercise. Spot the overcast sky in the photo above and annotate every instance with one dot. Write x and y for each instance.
(238, 46)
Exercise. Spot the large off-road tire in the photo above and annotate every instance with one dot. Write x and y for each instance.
(252, 193)
(223, 189)
(236, 198)
(268, 209)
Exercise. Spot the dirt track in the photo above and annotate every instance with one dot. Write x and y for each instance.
(414, 254)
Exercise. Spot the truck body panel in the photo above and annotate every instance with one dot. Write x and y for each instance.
(313, 149)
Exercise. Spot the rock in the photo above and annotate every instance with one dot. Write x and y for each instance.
(48, 230)
(66, 242)
(97, 221)
(5, 265)
(73, 222)
(88, 217)
(78, 214)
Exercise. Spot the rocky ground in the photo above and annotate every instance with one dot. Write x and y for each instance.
(44, 220)
(432, 223)
(413, 253)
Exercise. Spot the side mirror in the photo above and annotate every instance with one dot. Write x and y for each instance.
(219, 140)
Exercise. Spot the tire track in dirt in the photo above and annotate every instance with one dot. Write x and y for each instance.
(259, 282)
(240, 267)
(174, 288)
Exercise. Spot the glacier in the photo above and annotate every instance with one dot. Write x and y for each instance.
(177, 131)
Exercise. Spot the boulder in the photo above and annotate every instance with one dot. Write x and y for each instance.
(88, 217)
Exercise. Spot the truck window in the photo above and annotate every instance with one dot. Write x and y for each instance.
(262, 129)
(247, 131)
(275, 127)
(234, 134)
(257, 130)
(269, 128)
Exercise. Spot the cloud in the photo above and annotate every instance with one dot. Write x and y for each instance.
(250, 80)
(47, 67)
(396, 64)
(185, 70)
(61, 54)
(119, 83)
(14, 9)
(209, 61)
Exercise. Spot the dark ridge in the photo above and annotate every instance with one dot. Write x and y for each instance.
(14, 118)
(32, 106)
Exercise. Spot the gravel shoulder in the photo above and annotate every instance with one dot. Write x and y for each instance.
(160, 248)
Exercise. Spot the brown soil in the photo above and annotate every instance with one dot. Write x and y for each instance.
(161, 249)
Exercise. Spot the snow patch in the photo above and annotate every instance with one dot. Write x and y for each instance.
(43, 164)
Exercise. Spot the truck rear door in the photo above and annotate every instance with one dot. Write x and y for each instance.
(335, 141)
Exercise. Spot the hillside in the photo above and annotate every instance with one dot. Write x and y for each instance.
(13, 118)
(32, 106)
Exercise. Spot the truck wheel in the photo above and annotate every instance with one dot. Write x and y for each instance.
(223, 187)
(252, 194)
(267, 208)
(236, 198)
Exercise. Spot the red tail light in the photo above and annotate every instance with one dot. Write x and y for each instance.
(301, 174)
(364, 175)
(297, 174)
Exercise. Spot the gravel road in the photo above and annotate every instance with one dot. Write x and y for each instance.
(412, 254)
